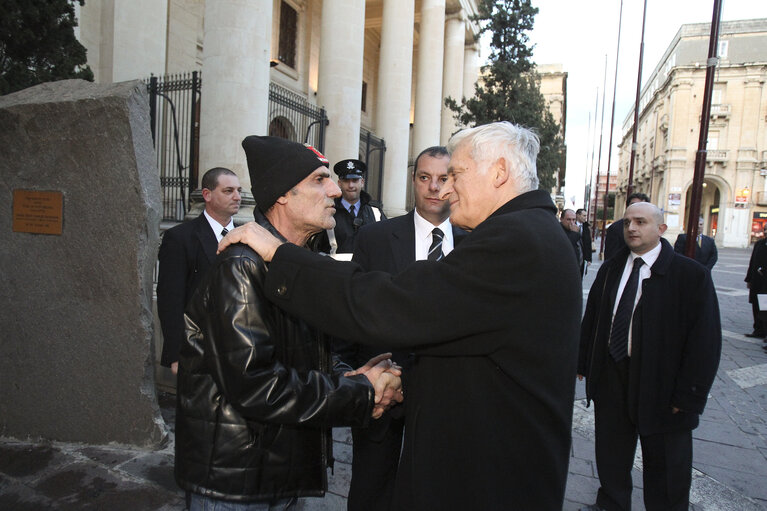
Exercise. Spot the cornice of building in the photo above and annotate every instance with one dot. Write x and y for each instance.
(687, 31)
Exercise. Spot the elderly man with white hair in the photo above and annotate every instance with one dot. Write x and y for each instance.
(489, 399)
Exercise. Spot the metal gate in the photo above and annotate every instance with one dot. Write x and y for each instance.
(174, 109)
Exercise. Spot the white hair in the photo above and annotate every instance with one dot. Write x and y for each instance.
(518, 146)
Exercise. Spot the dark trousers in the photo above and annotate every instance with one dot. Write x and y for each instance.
(759, 327)
(376, 452)
(666, 457)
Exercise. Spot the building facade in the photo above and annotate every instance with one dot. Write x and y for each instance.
(384, 66)
(554, 90)
(734, 201)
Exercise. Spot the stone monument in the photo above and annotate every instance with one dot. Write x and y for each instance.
(78, 243)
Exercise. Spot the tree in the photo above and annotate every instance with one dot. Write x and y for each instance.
(510, 87)
(38, 44)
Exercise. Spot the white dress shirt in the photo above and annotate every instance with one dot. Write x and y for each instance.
(217, 227)
(423, 237)
(645, 271)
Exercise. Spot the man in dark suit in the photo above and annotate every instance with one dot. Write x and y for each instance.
(650, 346)
(756, 280)
(705, 247)
(614, 235)
(567, 219)
(488, 402)
(423, 234)
(581, 221)
(187, 251)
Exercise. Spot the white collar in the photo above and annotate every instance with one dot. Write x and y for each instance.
(217, 227)
(648, 257)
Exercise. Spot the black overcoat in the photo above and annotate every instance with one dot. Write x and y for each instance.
(494, 326)
(756, 275)
(676, 340)
(706, 254)
(186, 253)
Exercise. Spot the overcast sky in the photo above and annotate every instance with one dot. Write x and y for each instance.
(578, 35)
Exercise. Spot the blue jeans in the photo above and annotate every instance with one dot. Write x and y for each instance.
(202, 503)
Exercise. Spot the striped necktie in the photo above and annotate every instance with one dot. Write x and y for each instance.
(435, 250)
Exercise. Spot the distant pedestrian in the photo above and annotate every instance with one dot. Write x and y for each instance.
(614, 234)
(567, 220)
(705, 247)
(585, 229)
(756, 280)
(650, 346)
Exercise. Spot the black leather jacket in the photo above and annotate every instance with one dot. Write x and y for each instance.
(258, 390)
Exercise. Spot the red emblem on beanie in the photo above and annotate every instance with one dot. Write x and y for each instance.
(320, 156)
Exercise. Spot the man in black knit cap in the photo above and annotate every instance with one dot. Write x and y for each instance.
(258, 389)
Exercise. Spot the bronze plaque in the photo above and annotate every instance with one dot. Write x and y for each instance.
(38, 212)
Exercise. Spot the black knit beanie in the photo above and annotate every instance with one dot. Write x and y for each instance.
(276, 165)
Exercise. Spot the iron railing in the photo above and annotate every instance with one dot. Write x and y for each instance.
(174, 105)
(373, 152)
(292, 117)
(174, 109)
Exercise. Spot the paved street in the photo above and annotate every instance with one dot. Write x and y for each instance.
(730, 446)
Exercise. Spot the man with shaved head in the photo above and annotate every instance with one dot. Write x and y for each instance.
(650, 346)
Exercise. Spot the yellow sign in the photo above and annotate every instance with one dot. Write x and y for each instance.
(38, 212)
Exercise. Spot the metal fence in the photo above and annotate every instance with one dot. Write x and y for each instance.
(292, 117)
(373, 152)
(174, 109)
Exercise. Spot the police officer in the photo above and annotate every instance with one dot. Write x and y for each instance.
(354, 208)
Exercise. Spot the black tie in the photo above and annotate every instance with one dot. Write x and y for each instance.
(351, 210)
(619, 335)
(224, 231)
(435, 250)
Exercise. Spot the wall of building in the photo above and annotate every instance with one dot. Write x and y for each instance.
(669, 126)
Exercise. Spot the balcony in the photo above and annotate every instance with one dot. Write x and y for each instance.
(761, 198)
(717, 156)
(720, 111)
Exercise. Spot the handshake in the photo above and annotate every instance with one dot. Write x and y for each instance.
(384, 375)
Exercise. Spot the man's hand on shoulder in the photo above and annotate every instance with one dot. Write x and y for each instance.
(255, 236)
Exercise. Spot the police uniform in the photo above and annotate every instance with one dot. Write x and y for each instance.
(341, 239)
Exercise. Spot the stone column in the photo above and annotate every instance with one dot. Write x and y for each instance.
(428, 87)
(393, 103)
(470, 69)
(452, 80)
(339, 87)
(235, 74)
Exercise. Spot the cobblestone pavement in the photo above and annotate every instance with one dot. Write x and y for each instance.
(730, 446)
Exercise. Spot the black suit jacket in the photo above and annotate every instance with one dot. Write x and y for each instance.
(186, 253)
(494, 378)
(384, 246)
(676, 340)
(586, 241)
(706, 254)
(756, 275)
